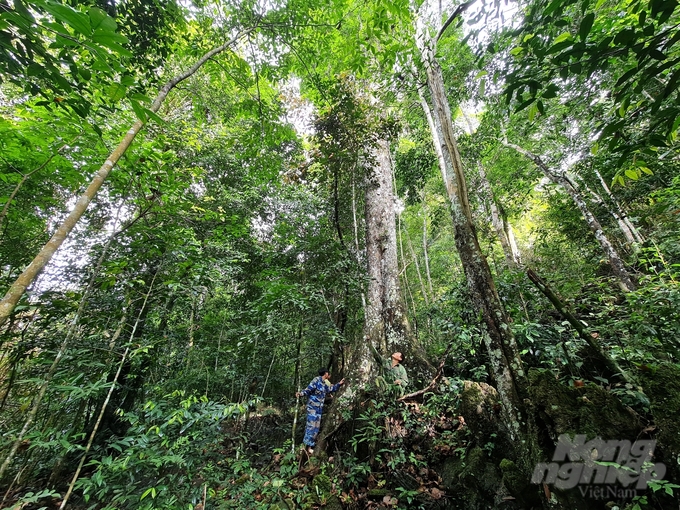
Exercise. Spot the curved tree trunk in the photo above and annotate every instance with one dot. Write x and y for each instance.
(13, 295)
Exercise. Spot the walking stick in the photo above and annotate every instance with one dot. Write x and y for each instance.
(295, 418)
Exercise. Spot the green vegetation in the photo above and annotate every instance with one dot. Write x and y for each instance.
(202, 203)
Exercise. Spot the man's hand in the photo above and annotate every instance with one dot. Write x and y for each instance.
(398, 381)
(342, 381)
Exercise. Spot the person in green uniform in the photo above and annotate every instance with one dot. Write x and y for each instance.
(394, 371)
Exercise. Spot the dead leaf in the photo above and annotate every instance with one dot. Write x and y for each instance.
(436, 493)
(546, 489)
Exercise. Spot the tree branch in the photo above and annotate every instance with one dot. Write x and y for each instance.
(461, 8)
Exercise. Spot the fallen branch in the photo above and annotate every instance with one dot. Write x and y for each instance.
(433, 383)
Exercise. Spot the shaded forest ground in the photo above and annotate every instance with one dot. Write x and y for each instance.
(448, 449)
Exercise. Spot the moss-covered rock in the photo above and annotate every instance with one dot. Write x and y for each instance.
(479, 404)
(662, 387)
(514, 481)
(472, 481)
(588, 410)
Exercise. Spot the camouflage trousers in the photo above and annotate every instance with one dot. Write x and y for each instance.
(314, 412)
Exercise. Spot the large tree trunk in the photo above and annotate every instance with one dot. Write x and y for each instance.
(504, 358)
(385, 321)
(26, 278)
(560, 178)
(386, 324)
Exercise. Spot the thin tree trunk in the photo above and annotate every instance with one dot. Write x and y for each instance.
(517, 255)
(108, 397)
(296, 384)
(26, 278)
(620, 211)
(404, 266)
(425, 255)
(623, 226)
(511, 258)
(590, 340)
(415, 261)
(559, 177)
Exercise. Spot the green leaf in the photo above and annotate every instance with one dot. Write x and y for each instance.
(646, 170)
(77, 20)
(526, 103)
(532, 112)
(101, 21)
(632, 174)
(109, 41)
(586, 26)
(551, 91)
(551, 8)
(562, 37)
(139, 111)
(140, 98)
(150, 490)
(482, 87)
(625, 36)
(102, 35)
(156, 117)
(656, 54)
(116, 91)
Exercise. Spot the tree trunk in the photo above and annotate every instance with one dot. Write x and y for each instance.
(26, 278)
(621, 213)
(425, 254)
(505, 361)
(560, 178)
(512, 258)
(386, 323)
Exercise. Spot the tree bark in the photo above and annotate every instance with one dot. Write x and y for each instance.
(386, 323)
(505, 361)
(560, 178)
(512, 257)
(621, 213)
(13, 295)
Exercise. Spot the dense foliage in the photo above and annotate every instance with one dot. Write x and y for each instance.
(153, 363)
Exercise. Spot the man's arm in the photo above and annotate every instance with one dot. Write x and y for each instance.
(382, 362)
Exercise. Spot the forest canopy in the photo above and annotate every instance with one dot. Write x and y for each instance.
(204, 203)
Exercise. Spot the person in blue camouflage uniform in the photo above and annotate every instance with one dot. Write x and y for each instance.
(316, 391)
